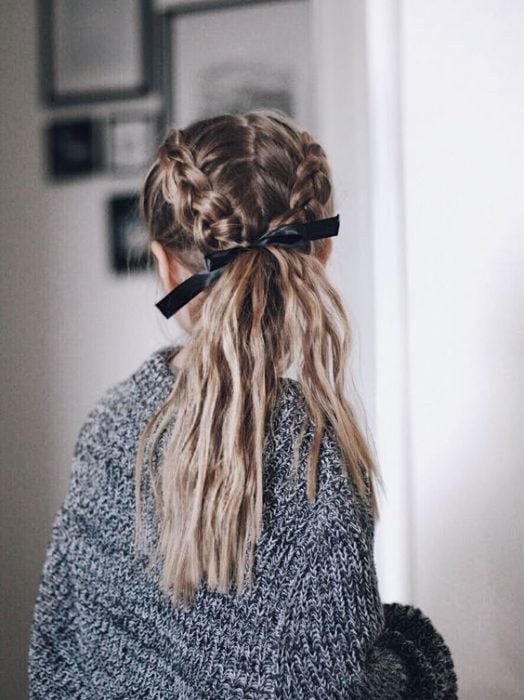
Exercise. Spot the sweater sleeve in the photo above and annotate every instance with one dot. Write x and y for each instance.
(340, 641)
(59, 661)
(54, 659)
(411, 643)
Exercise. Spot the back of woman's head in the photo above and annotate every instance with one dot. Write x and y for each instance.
(221, 183)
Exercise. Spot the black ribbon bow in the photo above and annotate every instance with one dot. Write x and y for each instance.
(289, 236)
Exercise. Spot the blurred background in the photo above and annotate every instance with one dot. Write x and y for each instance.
(420, 107)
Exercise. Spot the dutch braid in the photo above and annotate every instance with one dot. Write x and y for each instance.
(208, 217)
(311, 190)
(199, 208)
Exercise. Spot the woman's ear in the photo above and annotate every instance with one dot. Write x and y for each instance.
(171, 272)
(164, 266)
(325, 251)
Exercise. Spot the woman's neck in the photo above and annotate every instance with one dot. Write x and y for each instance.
(180, 357)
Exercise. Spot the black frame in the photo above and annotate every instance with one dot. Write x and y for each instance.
(48, 93)
(74, 148)
(165, 72)
(124, 218)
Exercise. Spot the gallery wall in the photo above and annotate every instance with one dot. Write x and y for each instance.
(70, 328)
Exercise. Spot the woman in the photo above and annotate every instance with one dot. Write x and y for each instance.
(217, 537)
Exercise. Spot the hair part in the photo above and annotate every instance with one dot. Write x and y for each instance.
(219, 183)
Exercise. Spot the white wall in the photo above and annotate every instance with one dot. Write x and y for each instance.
(463, 105)
(387, 254)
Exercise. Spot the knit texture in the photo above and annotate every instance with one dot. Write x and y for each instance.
(312, 626)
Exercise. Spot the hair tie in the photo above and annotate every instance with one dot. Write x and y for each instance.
(295, 235)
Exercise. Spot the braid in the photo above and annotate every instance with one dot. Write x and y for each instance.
(311, 189)
(205, 215)
(196, 205)
(310, 194)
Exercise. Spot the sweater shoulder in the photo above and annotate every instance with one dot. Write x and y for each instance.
(104, 422)
(124, 407)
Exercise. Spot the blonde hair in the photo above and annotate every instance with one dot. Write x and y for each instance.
(221, 182)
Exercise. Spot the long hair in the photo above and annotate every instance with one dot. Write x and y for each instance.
(219, 183)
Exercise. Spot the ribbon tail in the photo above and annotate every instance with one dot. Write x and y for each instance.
(323, 228)
(183, 293)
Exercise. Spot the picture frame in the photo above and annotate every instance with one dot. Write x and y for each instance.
(75, 148)
(95, 51)
(132, 139)
(233, 56)
(129, 244)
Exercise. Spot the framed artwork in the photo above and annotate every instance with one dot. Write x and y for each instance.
(129, 246)
(132, 141)
(234, 56)
(74, 148)
(94, 50)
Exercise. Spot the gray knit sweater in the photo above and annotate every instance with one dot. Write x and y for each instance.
(312, 626)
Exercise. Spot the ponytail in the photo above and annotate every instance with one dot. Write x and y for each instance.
(220, 182)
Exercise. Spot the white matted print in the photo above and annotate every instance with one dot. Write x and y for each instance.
(231, 59)
(132, 141)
